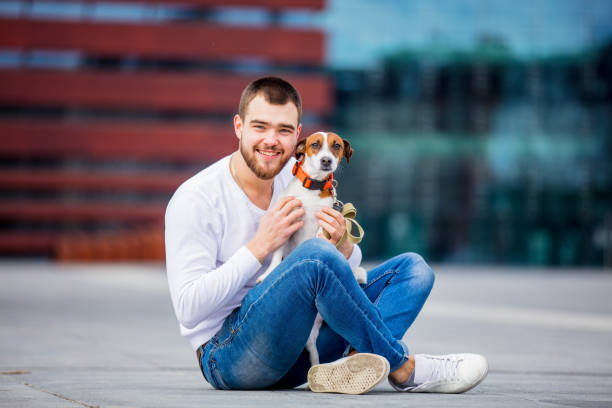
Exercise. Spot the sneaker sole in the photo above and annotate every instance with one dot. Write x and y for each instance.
(357, 374)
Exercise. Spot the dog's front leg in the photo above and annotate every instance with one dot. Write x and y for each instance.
(277, 257)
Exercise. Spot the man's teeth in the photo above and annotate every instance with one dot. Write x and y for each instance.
(268, 153)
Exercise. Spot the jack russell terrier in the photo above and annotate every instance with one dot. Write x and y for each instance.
(318, 156)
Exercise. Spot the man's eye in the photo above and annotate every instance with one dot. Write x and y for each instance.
(285, 131)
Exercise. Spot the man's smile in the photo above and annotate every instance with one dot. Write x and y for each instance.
(268, 154)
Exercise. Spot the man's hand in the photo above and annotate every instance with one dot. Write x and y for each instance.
(333, 222)
(276, 226)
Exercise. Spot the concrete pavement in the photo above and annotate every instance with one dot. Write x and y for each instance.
(105, 335)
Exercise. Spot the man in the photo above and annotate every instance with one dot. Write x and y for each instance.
(221, 227)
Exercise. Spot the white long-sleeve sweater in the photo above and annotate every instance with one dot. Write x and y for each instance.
(209, 220)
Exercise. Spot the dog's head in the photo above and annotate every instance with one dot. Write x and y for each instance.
(321, 152)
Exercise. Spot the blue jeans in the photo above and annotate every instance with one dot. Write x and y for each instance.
(261, 344)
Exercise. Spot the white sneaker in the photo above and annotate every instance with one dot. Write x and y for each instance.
(453, 374)
(356, 374)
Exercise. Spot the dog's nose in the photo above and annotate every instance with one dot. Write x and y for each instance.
(326, 162)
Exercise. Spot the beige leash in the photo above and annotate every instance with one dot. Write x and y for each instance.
(354, 232)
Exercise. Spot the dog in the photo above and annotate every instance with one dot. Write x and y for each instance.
(318, 157)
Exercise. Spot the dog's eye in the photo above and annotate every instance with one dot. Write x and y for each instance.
(336, 146)
(315, 145)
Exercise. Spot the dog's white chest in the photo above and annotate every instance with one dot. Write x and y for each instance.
(311, 202)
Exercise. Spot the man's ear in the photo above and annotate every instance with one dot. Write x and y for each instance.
(348, 150)
(238, 126)
(300, 149)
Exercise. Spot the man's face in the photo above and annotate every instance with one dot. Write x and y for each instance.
(268, 135)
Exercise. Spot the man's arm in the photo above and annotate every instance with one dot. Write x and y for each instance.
(197, 286)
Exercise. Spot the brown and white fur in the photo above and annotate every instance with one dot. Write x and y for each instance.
(319, 155)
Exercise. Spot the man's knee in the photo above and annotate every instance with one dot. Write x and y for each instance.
(419, 272)
(320, 252)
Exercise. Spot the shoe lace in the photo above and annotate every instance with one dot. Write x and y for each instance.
(447, 368)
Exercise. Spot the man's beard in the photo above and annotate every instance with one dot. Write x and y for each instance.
(251, 161)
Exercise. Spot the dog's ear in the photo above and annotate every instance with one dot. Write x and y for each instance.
(348, 150)
(300, 149)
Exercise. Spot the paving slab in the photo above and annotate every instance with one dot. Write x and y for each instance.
(78, 335)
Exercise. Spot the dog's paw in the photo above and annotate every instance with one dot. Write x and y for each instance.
(360, 274)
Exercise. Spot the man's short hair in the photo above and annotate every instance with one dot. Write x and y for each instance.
(275, 90)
